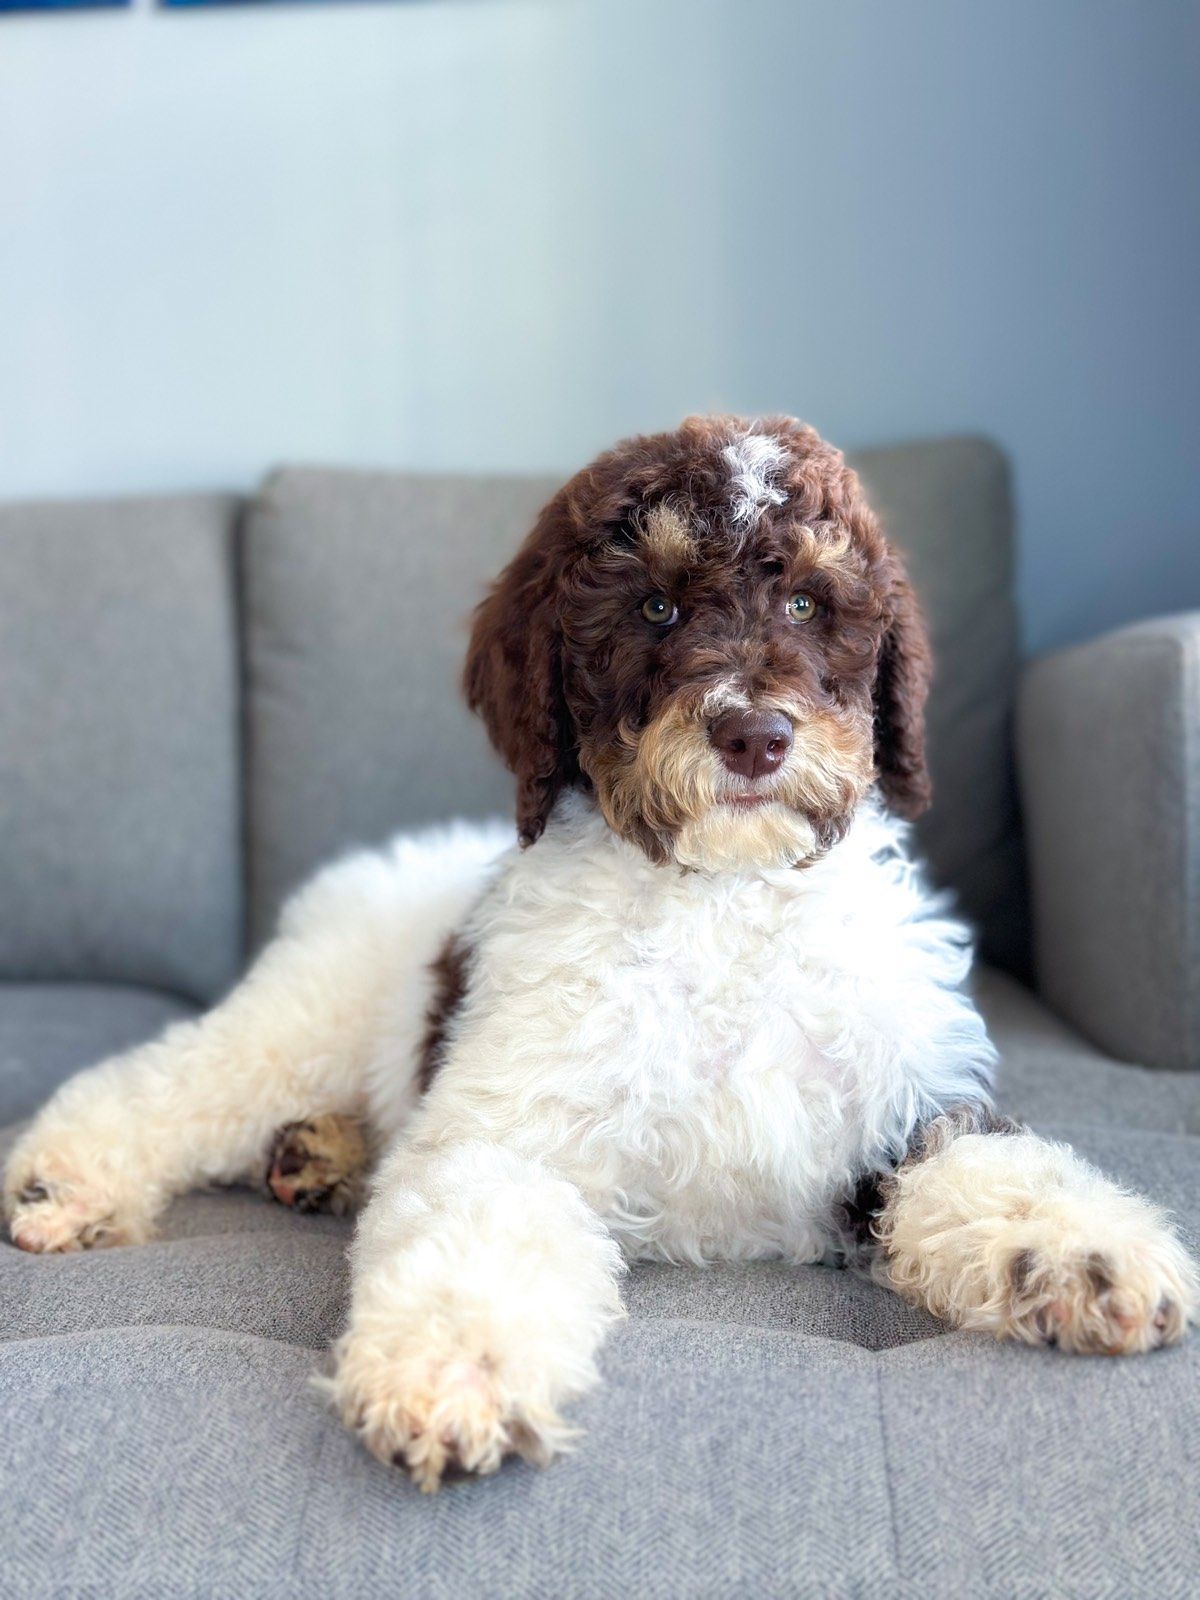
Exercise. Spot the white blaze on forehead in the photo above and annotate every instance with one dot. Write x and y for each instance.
(753, 462)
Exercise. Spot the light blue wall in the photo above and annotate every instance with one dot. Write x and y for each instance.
(498, 235)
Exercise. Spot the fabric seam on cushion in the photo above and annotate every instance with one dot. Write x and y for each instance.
(661, 1319)
(886, 1455)
(302, 1525)
(52, 1336)
(132, 986)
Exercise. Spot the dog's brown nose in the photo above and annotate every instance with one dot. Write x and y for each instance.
(752, 743)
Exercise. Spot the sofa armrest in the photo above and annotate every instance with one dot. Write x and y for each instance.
(1108, 742)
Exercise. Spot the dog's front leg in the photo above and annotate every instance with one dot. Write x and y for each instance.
(482, 1287)
(1006, 1232)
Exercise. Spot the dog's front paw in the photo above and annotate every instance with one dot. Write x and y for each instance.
(438, 1417)
(53, 1207)
(1012, 1235)
(1121, 1298)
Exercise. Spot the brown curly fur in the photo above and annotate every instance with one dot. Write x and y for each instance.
(568, 676)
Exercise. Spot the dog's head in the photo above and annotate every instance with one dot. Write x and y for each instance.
(708, 629)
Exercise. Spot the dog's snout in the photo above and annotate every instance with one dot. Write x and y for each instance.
(751, 743)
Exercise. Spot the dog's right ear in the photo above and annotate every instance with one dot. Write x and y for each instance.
(513, 676)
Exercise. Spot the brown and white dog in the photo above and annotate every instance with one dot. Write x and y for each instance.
(703, 1009)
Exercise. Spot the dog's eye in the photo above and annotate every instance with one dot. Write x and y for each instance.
(802, 608)
(659, 609)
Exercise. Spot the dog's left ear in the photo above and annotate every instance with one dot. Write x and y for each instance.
(901, 689)
(513, 677)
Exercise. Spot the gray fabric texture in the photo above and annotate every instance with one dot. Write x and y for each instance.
(120, 801)
(358, 589)
(1050, 1074)
(1109, 749)
(716, 1462)
(760, 1430)
(947, 505)
(50, 1030)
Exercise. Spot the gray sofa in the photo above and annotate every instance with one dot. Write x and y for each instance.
(201, 700)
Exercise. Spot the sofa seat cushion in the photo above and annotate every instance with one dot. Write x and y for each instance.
(1050, 1075)
(50, 1030)
(183, 1462)
(741, 1443)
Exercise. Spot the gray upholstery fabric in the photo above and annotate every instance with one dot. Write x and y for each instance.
(50, 1030)
(1050, 1074)
(1110, 772)
(358, 589)
(716, 1462)
(947, 506)
(760, 1430)
(119, 784)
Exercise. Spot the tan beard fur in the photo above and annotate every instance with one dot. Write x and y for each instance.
(669, 783)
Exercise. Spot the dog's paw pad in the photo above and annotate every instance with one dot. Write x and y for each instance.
(439, 1423)
(319, 1164)
(1095, 1303)
(53, 1218)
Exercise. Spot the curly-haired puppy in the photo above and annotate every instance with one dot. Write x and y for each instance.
(703, 1009)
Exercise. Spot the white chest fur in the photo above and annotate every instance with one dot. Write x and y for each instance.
(712, 1058)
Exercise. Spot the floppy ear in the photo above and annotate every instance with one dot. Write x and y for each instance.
(901, 688)
(513, 679)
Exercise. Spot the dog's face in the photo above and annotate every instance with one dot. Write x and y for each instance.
(708, 629)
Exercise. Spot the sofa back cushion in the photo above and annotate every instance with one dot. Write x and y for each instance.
(358, 590)
(947, 505)
(120, 853)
